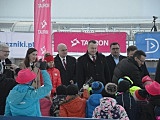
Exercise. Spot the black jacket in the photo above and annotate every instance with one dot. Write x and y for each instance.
(157, 77)
(111, 63)
(128, 67)
(9, 73)
(6, 84)
(126, 100)
(70, 72)
(98, 70)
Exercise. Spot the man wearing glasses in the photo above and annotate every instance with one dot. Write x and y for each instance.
(5, 62)
(114, 58)
(131, 67)
(130, 51)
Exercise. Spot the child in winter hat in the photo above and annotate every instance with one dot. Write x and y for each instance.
(141, 94)
(153, 90)
(132, 88)
(108, 108)
(125, 99)
(23, 99)
(74, 105)
(110, 90)
(53, 72)
(97, 87)
(61, 92)
(94, 99)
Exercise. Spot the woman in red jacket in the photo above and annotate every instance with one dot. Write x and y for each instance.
(53, 72)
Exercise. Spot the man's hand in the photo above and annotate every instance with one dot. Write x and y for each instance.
(71, 81)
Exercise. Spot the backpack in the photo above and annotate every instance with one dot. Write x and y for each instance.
(57, 100)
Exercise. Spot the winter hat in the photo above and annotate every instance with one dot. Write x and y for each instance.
(72, 89)
(153, 88)
(25, 76)
(139, 95)
(110, 90)
(124, 85)
(128, 79)
(146, 78)
(97, 87)
(49, 58)
(61, 90)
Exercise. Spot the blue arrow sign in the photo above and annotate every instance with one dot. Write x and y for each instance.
(149, 42)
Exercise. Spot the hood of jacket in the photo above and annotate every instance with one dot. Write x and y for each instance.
(107, 103)
(17, 94)
(94, 99)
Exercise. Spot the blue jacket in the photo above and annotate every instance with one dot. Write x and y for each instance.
(23, 100)
(92, 103)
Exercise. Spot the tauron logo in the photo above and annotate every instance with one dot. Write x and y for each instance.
(75, 42)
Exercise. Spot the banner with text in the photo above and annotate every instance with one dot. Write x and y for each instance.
(42, 26)
(18, 43)
(78, 41)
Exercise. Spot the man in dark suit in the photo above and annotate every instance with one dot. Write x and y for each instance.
(6, 84)
(130, 51)
(66, 65)
(5, 62)
(114, 58)
(157, 76)
(92, 64)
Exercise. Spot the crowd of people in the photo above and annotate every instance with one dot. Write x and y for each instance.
(92, 86)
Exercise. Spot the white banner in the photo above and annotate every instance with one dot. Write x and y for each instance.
(18, 43)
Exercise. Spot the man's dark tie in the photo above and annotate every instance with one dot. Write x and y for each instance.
(64, 63)
(94, 59)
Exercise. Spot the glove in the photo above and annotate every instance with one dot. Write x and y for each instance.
(42, 65)
(85, 86)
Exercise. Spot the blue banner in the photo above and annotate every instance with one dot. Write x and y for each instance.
(149, 42)
(41, 118)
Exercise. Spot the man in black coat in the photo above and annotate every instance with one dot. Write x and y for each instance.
(5, 62)
(131, 67)
(157, 77)
(130, 51)
(92, 64)
(6, 84)
(66, 65)
(114, 58)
